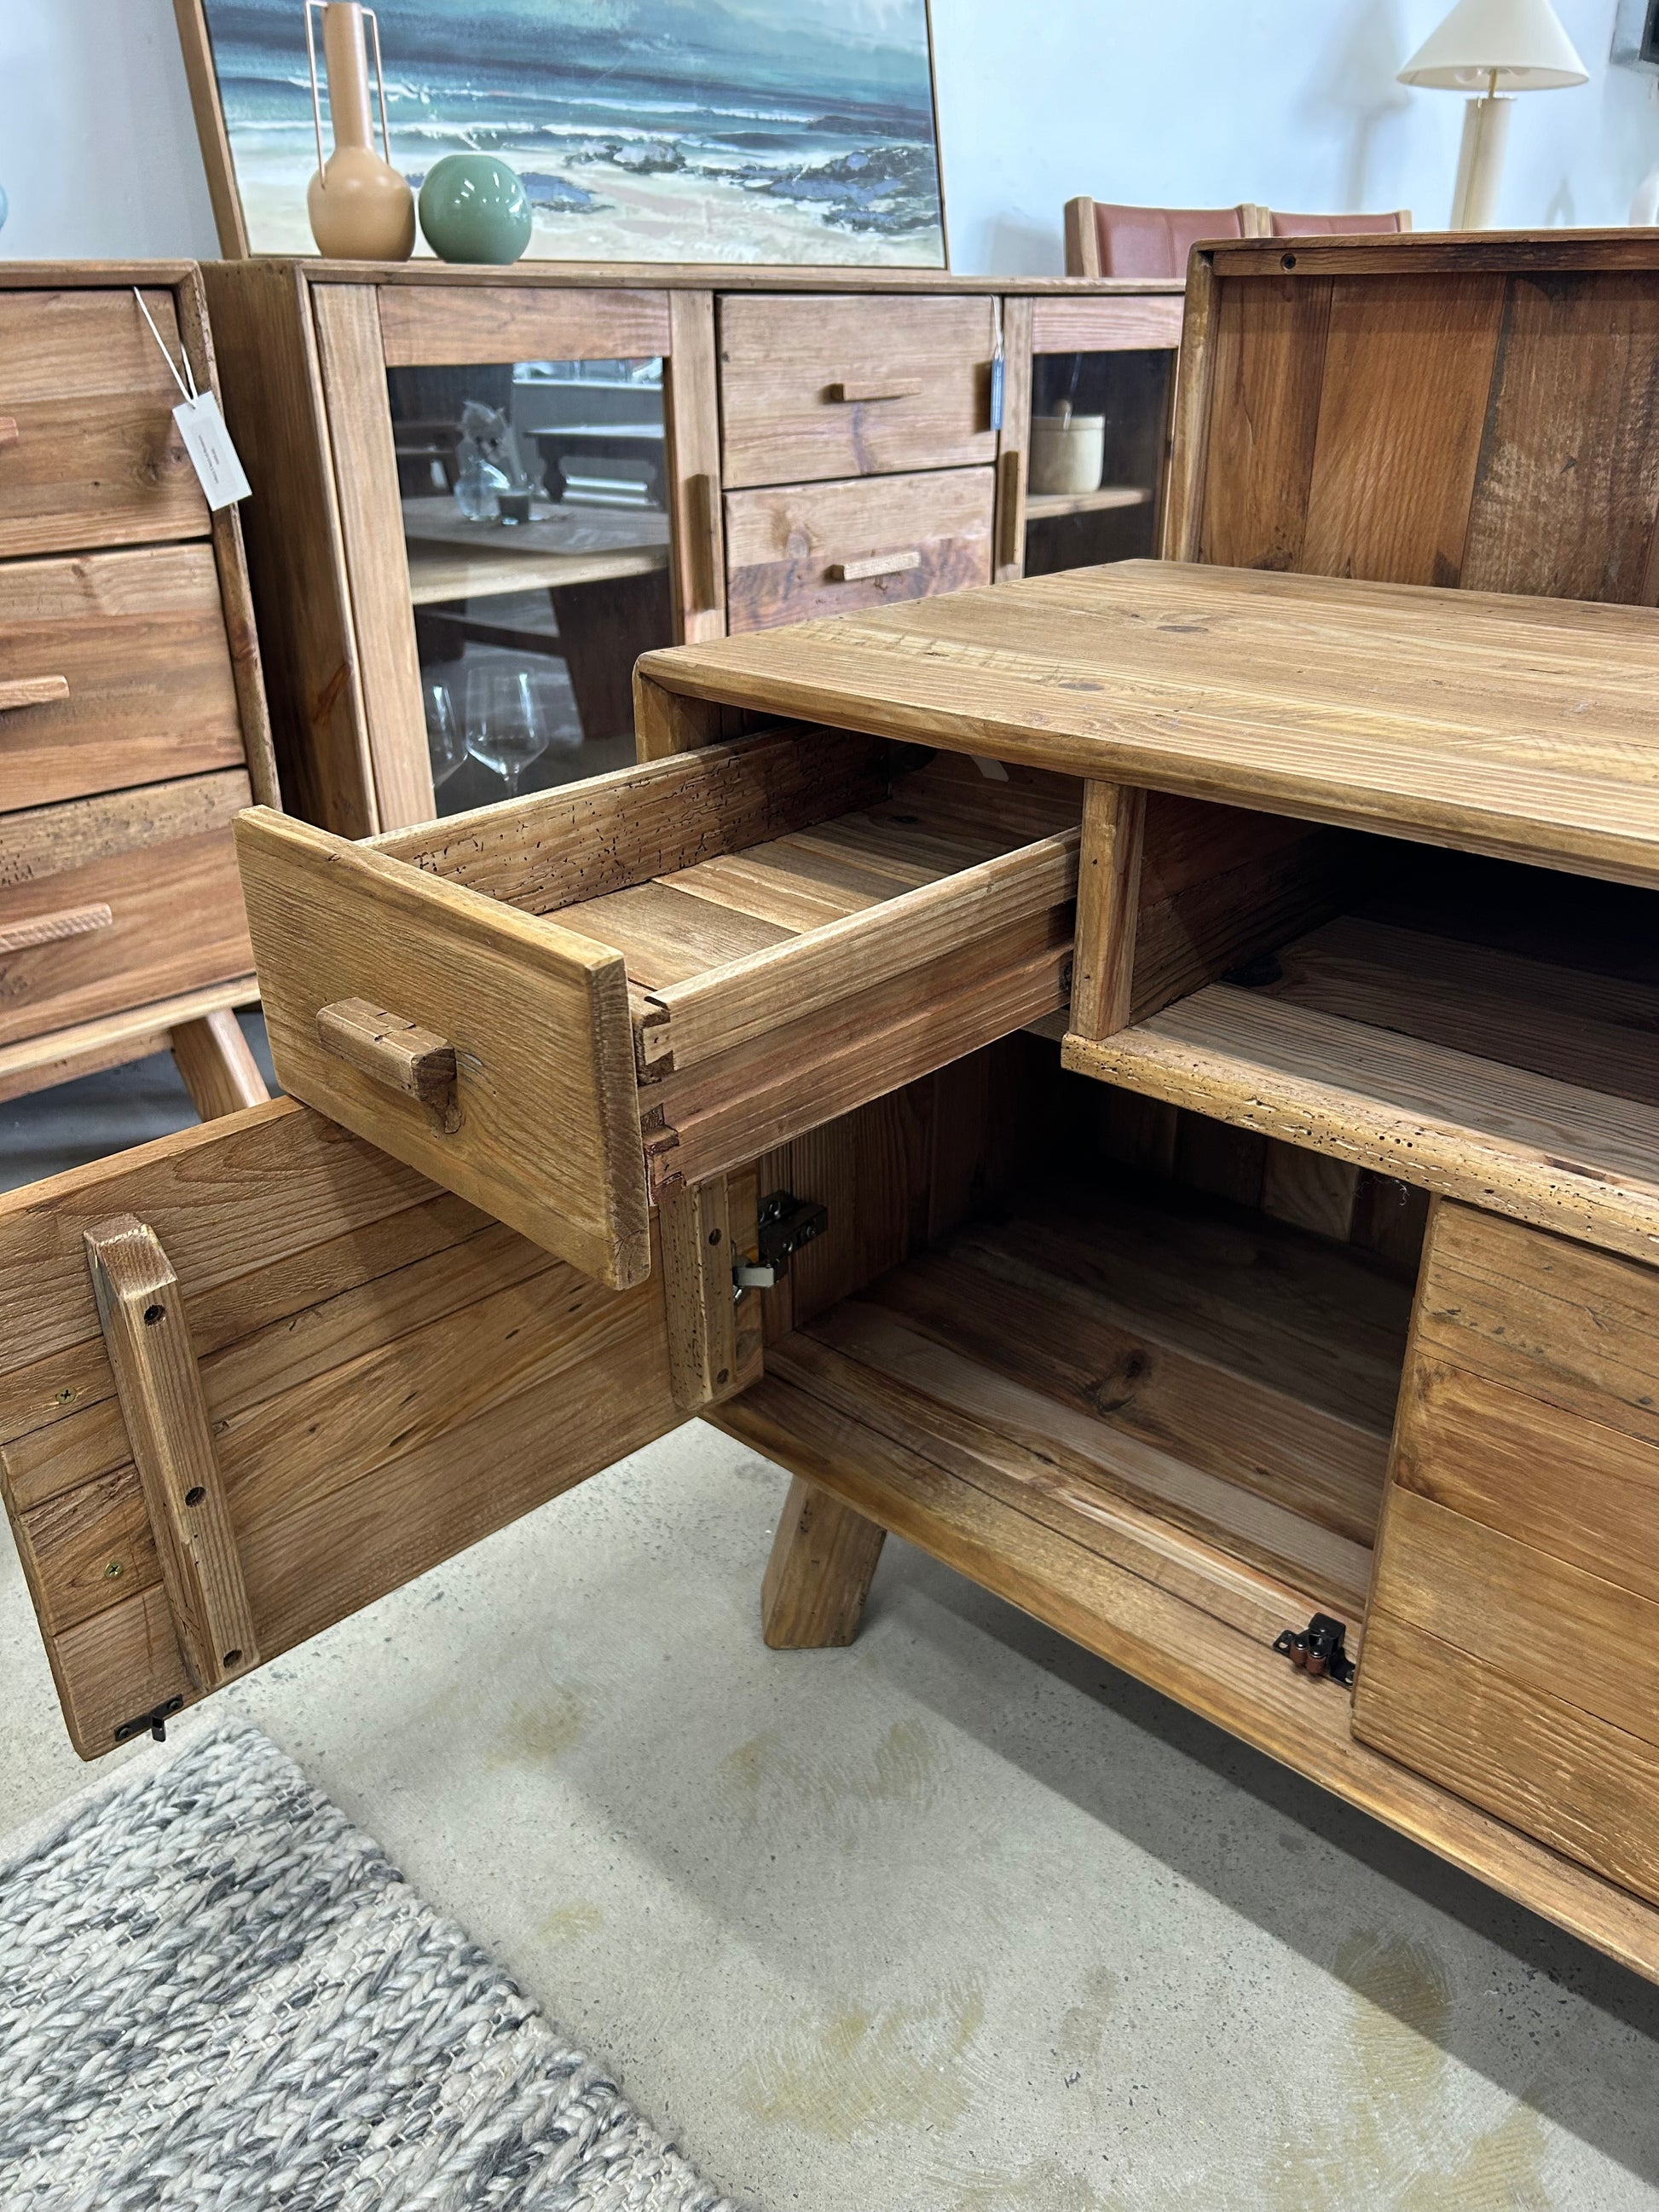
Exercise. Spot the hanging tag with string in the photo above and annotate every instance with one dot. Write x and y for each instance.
(202, 427)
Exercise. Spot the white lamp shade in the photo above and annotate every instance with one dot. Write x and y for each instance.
(1520, 43)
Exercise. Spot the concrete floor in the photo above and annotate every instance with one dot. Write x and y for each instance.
(959, 1920)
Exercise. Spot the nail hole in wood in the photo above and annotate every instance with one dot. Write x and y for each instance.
(152, 1314)
(723, 1378)
(195, 1494)
(1287, 261)
(713, 1236)
(233, 1658)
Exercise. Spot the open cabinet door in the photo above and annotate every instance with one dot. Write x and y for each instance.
(332, 1374)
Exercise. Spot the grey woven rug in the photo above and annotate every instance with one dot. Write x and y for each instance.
(216, 1992)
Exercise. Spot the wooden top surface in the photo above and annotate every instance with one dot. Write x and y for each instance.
(714, 276)
(1527, 728)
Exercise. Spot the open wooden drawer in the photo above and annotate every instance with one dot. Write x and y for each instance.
(569, 1006)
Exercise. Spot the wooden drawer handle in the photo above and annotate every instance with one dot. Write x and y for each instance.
(47, 928)
(32, 691)
(398, 1053)
(8, 429)
(879, 387)
(876, 564)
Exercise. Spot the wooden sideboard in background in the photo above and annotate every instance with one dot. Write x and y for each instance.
(132, 719)
(805, 442)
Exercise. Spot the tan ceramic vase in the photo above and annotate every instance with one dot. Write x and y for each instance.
(361, 208)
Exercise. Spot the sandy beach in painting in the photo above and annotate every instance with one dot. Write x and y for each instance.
(803, 135)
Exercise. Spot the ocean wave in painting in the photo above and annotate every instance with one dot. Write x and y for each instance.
(798, 130)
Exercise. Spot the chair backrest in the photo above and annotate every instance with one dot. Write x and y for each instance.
(1335, 226)
(1105, 239)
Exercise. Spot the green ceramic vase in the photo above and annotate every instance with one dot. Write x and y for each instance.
(473, 209)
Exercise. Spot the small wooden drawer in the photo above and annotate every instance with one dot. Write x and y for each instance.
(89, 452)
(568, 1007)
(112, 903)
(826, 549)
(817, 387)
(1512, 1641)
(117, 672)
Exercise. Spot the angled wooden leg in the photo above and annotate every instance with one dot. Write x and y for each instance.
(818, 1576)
(219, 1073)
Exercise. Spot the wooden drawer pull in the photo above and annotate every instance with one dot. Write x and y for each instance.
(393, 1051)
(8, 429)
(47, 928)
(875, 564)
(32, 691)
(880, 388)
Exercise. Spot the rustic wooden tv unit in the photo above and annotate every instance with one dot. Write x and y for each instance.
(1100, 1274)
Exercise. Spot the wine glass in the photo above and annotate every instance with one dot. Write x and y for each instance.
(445, 742)
(506, 727)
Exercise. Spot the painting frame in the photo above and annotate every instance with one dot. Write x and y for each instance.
(230, 218)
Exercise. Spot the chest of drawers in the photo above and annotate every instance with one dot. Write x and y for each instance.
(132, 719)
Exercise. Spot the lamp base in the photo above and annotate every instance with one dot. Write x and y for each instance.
(1480, 161)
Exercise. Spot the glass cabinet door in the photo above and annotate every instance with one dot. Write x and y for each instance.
(1099, 433)
(535, 514)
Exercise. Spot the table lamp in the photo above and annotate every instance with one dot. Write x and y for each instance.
(1491, 47)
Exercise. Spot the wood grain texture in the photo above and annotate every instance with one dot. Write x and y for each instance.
(388, 1375)
(537, 1019)
(39, 842)
(824, 1560)
(147, 1337)
(714, 1334)
(793, 553)
(1454, 717)
(112, 1040)
(393, 1051)
(1120, 325)
(691, 427)
(1549, 1152)
(1013, 440)
(488, 323)
(217, 1064)
(1109, 908)
(49, 928)
(1392, 480)
(370, 520)
(140, 637)
(176, 923)
(97, 459)
(191, 17)
(780, 357)
(1267, 368)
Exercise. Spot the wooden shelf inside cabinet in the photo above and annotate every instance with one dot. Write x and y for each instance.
(1430, 1039)
(1044, 505)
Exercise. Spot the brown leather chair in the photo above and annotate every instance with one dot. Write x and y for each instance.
(1104, 240)
(1335, 226)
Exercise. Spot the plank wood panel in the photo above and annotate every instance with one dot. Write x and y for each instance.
(441, 324)
(1013, 440)
(135, 1033)
(369, 512)
(1266, 378)
(97, 459)
(1551, 1770)
(141, 637)
(665, 933)
(559, 847)
(538, 1017)
(177, 923)
(1085, 325)
(785, 547)
(1597, 1032)
(691, 427)
(1301, 695)
(39, 842)
(1224, 1671)
(1566, 1485)
(781, 358)
(1568, 489)
(1392, 479)
(1545, 1315)
(1553, 1153)
(1111, 1364)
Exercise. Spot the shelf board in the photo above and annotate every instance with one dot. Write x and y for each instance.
(1044, 505)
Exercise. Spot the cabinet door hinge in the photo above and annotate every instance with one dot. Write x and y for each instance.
(1318, 1649)
(784, 1224)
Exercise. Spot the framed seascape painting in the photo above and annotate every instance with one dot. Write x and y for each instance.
(718, 131)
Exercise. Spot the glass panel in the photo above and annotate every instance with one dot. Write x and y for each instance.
(1098, 431)
(535, 518)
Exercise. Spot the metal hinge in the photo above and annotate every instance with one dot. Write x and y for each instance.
(154, 1722)
(1318, 1649)
(785, 1223)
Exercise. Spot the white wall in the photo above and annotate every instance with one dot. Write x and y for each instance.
(1192, 103)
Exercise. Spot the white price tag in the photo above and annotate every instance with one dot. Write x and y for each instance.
(202, 427)
(207, 441)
